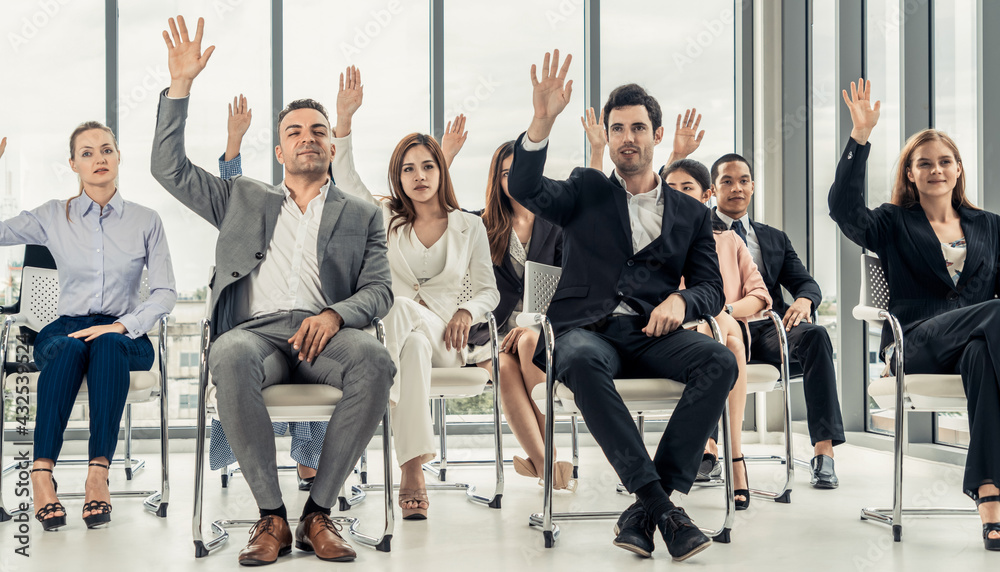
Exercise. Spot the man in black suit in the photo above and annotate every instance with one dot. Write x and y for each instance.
(808, 343)
(627, 241)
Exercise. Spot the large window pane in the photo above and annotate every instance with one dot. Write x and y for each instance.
(683, 57)
(955, 59)
(492, 88)
(825, 96)
(390, 43)
(883, 31)
(43, 104)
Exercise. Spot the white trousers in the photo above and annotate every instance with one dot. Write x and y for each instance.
(415, 339)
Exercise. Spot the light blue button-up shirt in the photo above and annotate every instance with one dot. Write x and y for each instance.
(100, 256)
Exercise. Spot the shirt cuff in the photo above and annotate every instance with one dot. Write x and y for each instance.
(231, 168)
(132, 326)
(530, 145)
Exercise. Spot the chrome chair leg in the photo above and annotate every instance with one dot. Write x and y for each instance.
(575, 440)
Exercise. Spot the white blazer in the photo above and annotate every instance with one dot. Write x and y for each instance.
(468, 251)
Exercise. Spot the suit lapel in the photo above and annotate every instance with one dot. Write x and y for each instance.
(926, 241)
(767, 247)
(332, 208)
(457, 244)
(974, 242)
(272, 208)
(621, 204)
(540, 231)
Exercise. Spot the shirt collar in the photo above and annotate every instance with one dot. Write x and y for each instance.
(84, 204)
(322, 190)
(655, 193)
(745, 219)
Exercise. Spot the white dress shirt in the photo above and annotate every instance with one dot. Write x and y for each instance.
(425, 262)
(288, 277)
(645, 213)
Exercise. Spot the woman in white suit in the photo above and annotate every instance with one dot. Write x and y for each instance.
(433, 245)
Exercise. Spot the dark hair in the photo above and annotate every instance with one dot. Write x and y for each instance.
(403, 211)
(632, 94)
(498, 216)
(729, 158)
(694, 168)
(303, 104)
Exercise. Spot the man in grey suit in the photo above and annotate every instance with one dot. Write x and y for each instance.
(300, 268)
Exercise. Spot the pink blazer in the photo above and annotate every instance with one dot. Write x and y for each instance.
(740, 277)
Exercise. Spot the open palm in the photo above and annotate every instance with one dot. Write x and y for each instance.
(551, 93)
(351, 93)
(185, 58)
(687, 139)
(864, 115)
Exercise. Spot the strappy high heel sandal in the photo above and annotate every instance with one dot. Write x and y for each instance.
(742, 504)
(100, 511)
(417, 496)
(990, 543)
(42, 514)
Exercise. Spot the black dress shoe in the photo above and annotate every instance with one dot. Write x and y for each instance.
(823, 475)
(683, 538)
(710, 469)
(635, 531)
(305, 484)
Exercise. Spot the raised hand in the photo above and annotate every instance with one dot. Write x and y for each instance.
(184, 56)
(240, 116)
(454, 138)
(596, 136)
(349, 98)
(550, 94)
(687, 139)
(3, 145)
(863, 115)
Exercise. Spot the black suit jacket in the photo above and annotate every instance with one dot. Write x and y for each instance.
(782, 267)
(546, 248)
(600, 269)
(919, 284)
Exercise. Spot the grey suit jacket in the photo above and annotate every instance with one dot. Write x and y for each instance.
(353, 266)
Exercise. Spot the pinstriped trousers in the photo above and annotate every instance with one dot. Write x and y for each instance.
(63, 361)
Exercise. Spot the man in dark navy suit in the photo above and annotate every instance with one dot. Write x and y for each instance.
(808, 343)
(627, 242)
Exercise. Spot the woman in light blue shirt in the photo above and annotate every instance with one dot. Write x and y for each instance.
(100, 243)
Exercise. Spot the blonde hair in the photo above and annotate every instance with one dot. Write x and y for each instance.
(80, 129)
(904, 191)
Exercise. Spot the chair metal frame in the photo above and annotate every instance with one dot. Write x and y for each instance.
(873, 308)
(536, 304)
(26, 315)
(204, 547)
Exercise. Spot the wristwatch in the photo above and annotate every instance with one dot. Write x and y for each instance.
(729, 309)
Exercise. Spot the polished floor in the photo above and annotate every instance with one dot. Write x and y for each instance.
(819, 530)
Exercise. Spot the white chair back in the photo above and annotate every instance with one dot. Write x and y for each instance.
(39, 297)
(874, 296)
(540, 283)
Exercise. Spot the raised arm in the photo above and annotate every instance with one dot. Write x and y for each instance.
(202, 192)
(453, 139)
(554, 201)
(868, 228)
(162, 289)
(345, 174)
(596, 136)
(240, 116)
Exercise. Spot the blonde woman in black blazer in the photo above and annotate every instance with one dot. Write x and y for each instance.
(940, 254)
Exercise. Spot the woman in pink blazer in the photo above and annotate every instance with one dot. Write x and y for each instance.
(746, 297)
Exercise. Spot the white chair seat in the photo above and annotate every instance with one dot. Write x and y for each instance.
(301, 401)
(451, 382)
(143, 385)
(937, 392)
(762, 377)
(645, 394)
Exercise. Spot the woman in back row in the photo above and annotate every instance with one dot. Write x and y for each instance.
(940, 254)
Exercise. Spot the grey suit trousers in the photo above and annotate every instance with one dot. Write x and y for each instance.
(255, 355)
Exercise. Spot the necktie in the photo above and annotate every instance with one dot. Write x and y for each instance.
(737, 227)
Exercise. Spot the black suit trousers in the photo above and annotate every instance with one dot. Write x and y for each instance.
(967, 342)
(809, 345)
(588, 359)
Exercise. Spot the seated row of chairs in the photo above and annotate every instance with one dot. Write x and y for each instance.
(310, 402)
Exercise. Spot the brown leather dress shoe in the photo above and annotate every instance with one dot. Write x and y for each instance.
(270, 538)
(317, 533)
